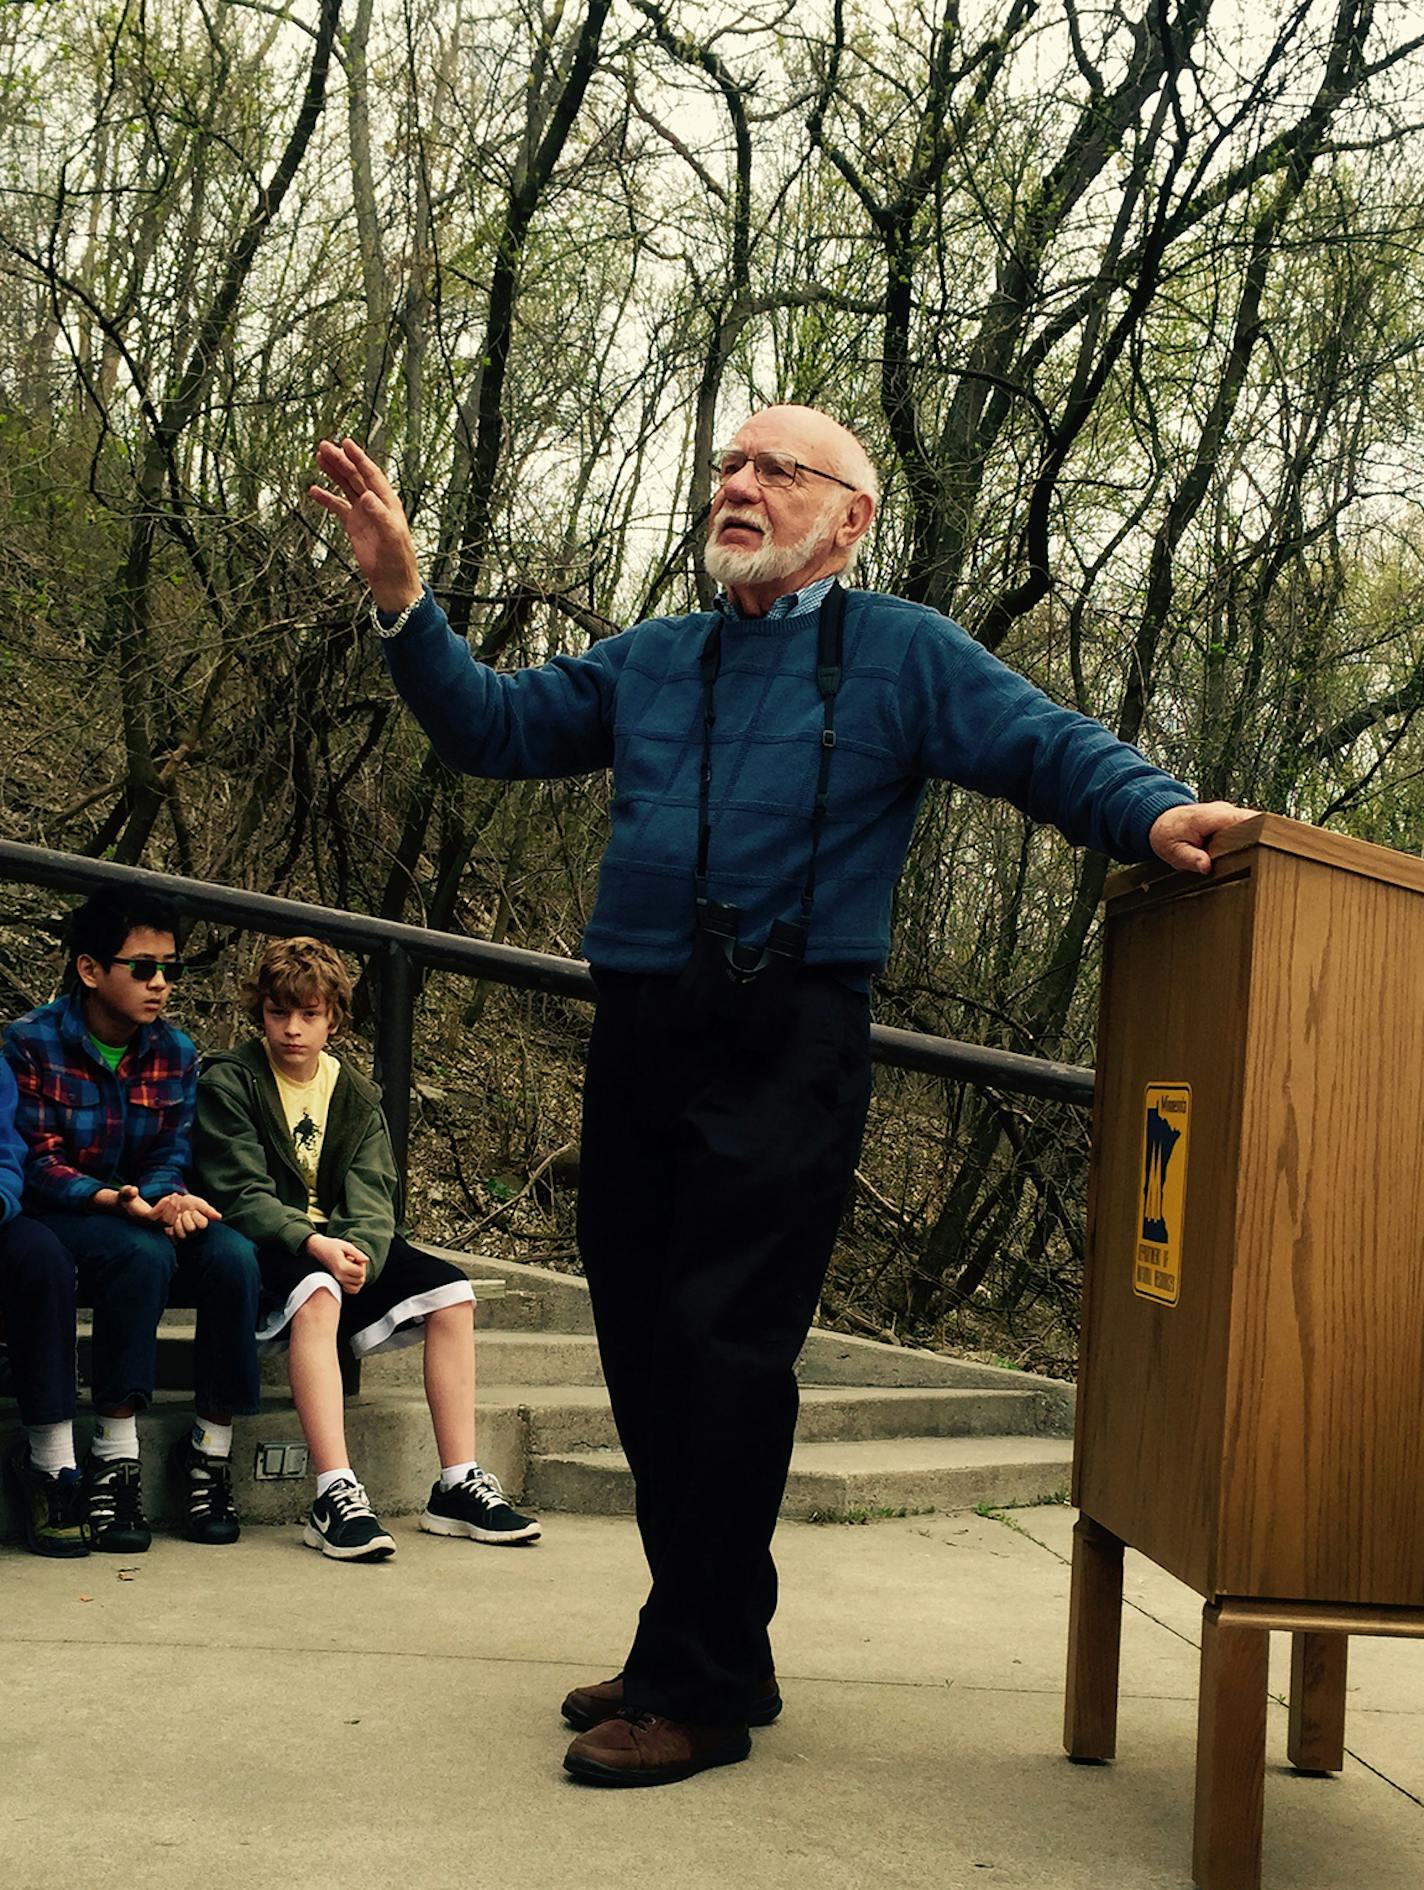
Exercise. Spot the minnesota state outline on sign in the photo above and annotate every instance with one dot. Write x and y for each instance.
(1166, 1133)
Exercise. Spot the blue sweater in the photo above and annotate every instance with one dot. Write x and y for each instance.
(12, 1149)
(919, 700)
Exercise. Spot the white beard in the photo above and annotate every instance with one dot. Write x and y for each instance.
(731, 564)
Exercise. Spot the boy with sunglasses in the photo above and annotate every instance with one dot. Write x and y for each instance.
(106, 1096)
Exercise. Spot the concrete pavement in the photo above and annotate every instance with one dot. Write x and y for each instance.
(257, 1716)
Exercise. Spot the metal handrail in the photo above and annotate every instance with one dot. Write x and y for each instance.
(402, 947)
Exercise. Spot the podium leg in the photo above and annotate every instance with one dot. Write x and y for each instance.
(1094, 1644)
(1316, 1740)
(1231, 1755)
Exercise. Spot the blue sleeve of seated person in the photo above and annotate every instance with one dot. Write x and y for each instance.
(12, 1149)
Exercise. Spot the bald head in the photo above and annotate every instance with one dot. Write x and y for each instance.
(826, 443)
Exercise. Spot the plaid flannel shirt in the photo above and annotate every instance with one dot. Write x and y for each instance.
(87, 1127)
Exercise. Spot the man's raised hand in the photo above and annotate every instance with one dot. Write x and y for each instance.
(374, 520)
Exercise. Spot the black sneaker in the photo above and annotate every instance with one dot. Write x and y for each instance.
(205, 1490)
(478, 1508)
(113, 1496)
(343, 1525)
(52, 1506)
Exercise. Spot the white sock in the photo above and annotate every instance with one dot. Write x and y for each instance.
(325, 1478)
(213, 1439)
(453, 1473)
(115, 1437)
(51, 1446)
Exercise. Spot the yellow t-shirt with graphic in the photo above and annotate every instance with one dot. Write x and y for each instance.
(306, 1107)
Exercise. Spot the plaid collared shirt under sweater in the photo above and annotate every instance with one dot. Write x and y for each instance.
(87, 1127)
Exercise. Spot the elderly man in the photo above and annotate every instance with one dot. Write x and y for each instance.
(768, 757)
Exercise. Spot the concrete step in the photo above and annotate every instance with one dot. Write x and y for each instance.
(513, 1346)
(389, 1437)
(563, 1418)
(501, 1358)
(535, 1357)
(829, 1362)
(838, 1358)
(881, 1426)
(843, 1480)
(557, 1302)
(561, 1304)
(853, 1413)
(522, 1307)
(513, 1312)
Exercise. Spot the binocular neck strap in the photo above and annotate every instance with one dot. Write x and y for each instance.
(830, 648)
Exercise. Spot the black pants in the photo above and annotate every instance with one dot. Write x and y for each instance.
(716, 1160)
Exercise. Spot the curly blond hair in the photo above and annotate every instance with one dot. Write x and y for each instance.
(300, 974)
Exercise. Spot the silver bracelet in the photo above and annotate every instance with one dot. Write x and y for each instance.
(394, 629)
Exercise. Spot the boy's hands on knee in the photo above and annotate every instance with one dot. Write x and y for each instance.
(177, 1214)
(346, 1264)
(184, 1214)
(127, 1201)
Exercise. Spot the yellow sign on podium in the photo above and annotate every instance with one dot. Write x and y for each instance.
(1166, 1124)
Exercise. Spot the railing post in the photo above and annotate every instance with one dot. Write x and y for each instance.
(394, 1026)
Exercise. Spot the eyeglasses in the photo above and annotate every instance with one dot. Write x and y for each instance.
(772, 469)
(143, 970)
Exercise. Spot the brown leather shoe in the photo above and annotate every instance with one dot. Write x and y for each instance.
(646, 1749)
(591, 1705)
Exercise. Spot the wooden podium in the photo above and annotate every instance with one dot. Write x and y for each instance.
(1251, 1389)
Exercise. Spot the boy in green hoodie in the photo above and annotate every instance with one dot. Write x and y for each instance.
(294, 1149)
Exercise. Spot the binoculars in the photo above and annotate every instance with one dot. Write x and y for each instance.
(722, 923)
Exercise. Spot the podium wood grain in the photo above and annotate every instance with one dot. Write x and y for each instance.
(1231, 1756)
(1261, 1438)
(1151, 1398)
(1315, 1740)
(1094, 1645)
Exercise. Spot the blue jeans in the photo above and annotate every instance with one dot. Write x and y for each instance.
(129, 1273)
(37, 1305)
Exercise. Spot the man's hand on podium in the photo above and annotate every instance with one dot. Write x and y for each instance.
(1180, 835)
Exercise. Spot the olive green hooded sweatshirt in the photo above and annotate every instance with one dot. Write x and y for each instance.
(245, 1165)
